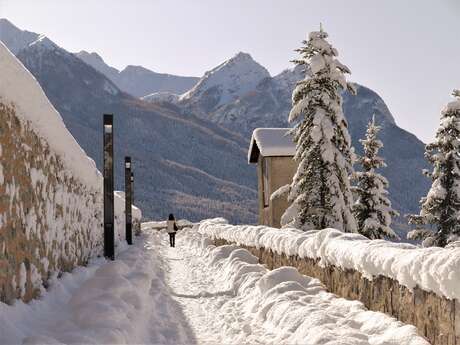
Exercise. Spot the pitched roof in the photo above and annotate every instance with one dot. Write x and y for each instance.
(270, 142)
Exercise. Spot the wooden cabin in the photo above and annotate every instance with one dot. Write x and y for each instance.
(272, 149)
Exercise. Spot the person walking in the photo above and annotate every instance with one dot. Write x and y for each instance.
(172, 229)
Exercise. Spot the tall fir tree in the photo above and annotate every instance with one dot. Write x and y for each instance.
(372, 208)
(320, 192)
(441, 207)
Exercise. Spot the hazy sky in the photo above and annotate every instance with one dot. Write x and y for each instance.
(407, 51)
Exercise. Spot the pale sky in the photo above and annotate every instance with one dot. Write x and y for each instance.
(407, 51)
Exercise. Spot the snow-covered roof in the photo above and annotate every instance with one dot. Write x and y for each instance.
(270, 142)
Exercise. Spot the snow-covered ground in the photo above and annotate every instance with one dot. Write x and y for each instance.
(231, 299)
(121, 302)
(158, 225)
(194, 293)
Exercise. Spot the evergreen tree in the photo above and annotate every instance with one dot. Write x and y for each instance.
(441, 207)
(372, 208)
(320, 191)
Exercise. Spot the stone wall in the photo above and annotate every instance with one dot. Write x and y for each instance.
(437, 318)
(49, 221)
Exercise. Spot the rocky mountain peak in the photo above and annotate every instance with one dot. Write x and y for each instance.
(242, 56)
(98, 63)
(134, 69)
(228, 81)
(94, 57)
(239, 63)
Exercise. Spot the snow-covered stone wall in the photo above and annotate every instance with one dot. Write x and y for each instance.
(416, 285)
(49, 220)
(50, 191)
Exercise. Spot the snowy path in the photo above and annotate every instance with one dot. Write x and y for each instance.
(193, 294)
(228, 298)
(202, 298)
(121, 302)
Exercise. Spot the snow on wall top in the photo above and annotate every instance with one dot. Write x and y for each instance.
(19, 88)
(432, 269)
(270, 142)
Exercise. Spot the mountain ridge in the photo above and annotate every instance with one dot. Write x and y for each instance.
(267, 104)
(182, 163)
(138, 80)
(265, 101)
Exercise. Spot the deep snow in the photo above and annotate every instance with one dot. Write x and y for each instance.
(432, 269)
(193, 294)
(121, 302)
(231, 299)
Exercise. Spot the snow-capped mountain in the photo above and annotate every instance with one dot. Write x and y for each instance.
(137, 80)
(44, 59)
(261, 101)
(189, 162)
(265, 101)
(182, 165)
(225, 83)
(366, 100)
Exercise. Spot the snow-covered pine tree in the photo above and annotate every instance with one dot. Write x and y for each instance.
(372, 208)
(441, 207)
(320, 192)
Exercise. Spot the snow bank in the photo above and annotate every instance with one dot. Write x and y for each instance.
(289, 307)
(121, 302)
(19, 88)
(432, 269)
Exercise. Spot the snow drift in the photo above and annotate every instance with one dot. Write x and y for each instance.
(289, 307)
(120, 302)
(432, 269)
